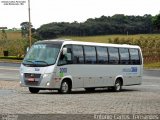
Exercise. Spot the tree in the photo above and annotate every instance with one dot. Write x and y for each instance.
(156, 22)
(104, 25)
(25, 28)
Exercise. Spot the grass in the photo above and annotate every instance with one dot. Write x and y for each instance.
(152, 65)
(106, 38)
(10, 59)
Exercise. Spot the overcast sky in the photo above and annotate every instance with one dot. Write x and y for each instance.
(46, 11)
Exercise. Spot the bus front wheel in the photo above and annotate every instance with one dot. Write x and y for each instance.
(33, 90)
(65, 87)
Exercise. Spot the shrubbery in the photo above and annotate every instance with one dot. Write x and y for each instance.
(15, 47)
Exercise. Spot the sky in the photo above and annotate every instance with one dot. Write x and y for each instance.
(46, 11)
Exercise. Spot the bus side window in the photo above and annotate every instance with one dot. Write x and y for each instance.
(124, 56)
(113, 55)
(66, 58)
(78, 57)
(134, 56)
(102, 55)
(90, 55)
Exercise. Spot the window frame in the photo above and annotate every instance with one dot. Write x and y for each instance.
(108, 62)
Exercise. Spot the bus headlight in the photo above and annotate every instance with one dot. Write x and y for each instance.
(46, 75)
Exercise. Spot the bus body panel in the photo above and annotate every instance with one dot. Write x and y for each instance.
(100, 75)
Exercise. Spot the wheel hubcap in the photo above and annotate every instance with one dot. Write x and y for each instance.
(64, 87)
(118, 86)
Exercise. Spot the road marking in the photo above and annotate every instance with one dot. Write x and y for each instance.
(9, 69)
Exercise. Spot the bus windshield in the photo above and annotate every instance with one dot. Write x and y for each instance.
(41, 55)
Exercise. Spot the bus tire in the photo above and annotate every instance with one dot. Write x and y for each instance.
(33, 90)
(65, 87)
(118, 86)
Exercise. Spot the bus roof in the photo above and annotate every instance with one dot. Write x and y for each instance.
(69, 41)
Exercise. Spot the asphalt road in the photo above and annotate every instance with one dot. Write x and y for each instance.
(9, 71)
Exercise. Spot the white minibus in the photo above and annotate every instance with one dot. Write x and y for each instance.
(64, 65)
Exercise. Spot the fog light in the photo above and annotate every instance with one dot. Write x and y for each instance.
(21, 74)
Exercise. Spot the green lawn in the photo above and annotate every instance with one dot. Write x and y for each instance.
(106, 38)
(152, 65)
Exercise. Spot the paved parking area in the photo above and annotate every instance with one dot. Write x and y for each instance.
(143, 99)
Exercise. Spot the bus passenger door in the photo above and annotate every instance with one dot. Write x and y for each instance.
(72, 70)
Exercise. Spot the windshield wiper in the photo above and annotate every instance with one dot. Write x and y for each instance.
(41, 61)
(29, 61)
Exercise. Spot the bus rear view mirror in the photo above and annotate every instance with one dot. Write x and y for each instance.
(64, 52)
(27, 49)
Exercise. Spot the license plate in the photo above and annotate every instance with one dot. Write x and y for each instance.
(31, 79)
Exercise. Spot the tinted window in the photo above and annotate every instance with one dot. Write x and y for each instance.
(78, 57)
(102, 55)
(113, 55)
(134, 56)
(90, 54)
(124, 55)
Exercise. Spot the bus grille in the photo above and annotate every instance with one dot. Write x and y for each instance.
(37, 78)
(32, 83)
(31, 75)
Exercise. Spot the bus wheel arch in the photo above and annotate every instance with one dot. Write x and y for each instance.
(66, 86)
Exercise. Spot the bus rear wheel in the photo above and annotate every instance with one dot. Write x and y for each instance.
(65, 87)
(118, 85)
(33, 90)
